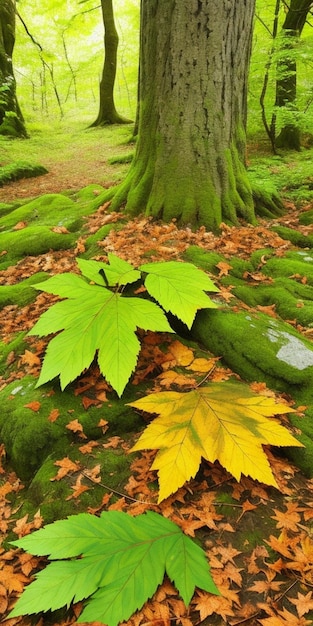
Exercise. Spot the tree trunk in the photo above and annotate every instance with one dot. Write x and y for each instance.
(11, 118)
(190, 157)
(286, 84)
(107, 111)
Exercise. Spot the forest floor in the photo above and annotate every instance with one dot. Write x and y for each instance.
(258, 539)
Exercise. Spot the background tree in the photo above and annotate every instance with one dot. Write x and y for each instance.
(286, 83)
(190, 158)
(11, 118)
(107, 111)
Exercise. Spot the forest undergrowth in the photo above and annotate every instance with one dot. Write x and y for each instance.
(258, 539)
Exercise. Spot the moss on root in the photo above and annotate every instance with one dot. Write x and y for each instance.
(18, 170)
(22, 292)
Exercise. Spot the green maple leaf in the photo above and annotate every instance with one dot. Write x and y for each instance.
(93, 319)
(122, 560)
(118, 272)
(179, 288)
(223, 421)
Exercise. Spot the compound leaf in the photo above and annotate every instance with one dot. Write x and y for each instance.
(122, 560)
(179, 288)
(94, 318)
(223, 421)
(117, 272)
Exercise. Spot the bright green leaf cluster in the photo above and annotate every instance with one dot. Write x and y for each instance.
(121, 561)
(99, 318)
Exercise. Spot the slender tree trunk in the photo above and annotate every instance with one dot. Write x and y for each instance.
(107, 111)
(11, 118)
(286, 84)
(190, 157)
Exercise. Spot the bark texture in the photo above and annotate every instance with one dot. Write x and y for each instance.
(11, 118)
(286, 84)
(107, 112)
(190, 157)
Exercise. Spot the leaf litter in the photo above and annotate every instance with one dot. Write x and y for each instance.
(258, 539)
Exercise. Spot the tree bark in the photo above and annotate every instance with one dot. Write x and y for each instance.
(286, 84)
(107, 111)
(190, 157)
(11, 118)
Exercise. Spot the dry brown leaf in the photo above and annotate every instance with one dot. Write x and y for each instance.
(76, 427)
(34, 406)
(88, 447)
(303, 604)
(66, 466)
(53, 415)
(224, 268)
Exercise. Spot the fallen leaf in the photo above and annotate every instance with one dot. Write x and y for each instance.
(34, 406)
(53, 415)
(224, 268)
(76, 427)
(303, 604)
(225, 422)
(66, 466)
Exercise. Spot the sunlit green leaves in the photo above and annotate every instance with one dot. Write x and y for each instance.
(103, 321)
(117, 272)
(99, 318)
(123, 560)
(179, 288)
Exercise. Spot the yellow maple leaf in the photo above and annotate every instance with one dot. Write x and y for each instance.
(223, 421)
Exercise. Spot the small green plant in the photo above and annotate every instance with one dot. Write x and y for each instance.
(120, 561)
(99, 315)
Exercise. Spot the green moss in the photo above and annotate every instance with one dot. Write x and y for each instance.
(258, 347)
(203, 259)
(22, 292)
(53, 498)
(46, 210)
(267, 200)
(292, 300)
(22, 429)
(298, 239)
(303, 457)
(122, 158)
(17, 346)
(91, 192)
(91, 243)
(20, 169)
(7, 208)
(33, 241)
(293, 263)
(306, 217)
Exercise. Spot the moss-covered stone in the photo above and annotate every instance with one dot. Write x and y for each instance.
(22, 292)
(29, 436)
(55, 499)
(20, 169)
(260, 348)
